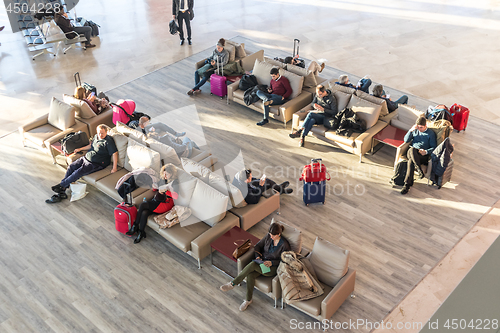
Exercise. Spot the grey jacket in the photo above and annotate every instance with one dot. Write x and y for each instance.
(221, 57)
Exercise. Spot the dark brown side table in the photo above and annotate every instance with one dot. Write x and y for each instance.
(225, 244)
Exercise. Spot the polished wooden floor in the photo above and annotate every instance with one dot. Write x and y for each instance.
(65, 268)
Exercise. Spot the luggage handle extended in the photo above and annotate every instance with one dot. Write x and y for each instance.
(78, 81)
(221, 70)
(296, 43)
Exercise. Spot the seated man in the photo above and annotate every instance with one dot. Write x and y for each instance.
(323, 104)
(97, 158)
(145, 120)
(314, 67)
(423, 142)
(378, 91)
(62, 20)
(363, 84)
(277, 93)
(253, 188)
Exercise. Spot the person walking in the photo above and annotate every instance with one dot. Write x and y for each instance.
(182, 10)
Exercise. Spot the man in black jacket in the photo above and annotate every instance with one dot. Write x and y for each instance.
(62, 20)
(324, 105)
(182, 10)
(253, 188)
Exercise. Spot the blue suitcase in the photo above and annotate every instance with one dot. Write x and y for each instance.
(314, 192)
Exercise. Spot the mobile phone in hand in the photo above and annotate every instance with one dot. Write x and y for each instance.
(258, 261)
(263, 177)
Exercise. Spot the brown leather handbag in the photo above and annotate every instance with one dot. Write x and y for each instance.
(241, 249)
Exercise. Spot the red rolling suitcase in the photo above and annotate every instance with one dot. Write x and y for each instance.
(460, 116)
(314, 172)
(218, 84)
(125, 215)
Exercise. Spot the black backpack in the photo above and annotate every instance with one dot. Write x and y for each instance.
(74, 140)
(94, 26)
(400, 173)
(173, 27)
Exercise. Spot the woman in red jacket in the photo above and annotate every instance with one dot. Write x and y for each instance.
(161, 203)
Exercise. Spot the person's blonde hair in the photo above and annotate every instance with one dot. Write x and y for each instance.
(80, 92)
(103, 126)
(169, 168)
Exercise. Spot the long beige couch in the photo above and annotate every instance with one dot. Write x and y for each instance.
(371, 109)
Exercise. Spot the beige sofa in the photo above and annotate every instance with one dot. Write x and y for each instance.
(371, 109)
(84, 113)
(300, 95)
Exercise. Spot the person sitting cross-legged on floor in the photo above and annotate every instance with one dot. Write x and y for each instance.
(423, 142)
(267, 252)
(378, 91)
(363, 84)
(323, 104)
(97, 158)
(277, 93)
(253, 188)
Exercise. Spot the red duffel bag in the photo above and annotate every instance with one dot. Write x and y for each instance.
(314, 172)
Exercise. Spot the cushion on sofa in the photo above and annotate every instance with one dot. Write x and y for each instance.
(61, 115)
(231, 50)
(121, 142)
(273, 62)
(365, 110)
(292, 235)
(262, 70)
(296, 82)
(342, 98)
(186, 185)
(167, 153)
(309, 78)
(380, 101)
(236, 198)
(249, 61)
(330, 262)
(239, 47)
(406, 117)
(208, 204)
(130, 132)
(337, 87)
(140, 156)
(196, 169)
(82, 109)
(345, 140)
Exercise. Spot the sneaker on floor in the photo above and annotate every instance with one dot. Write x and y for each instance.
(57, 188)
(295, 134)
(405, 189)
(227, 286)
(197, 91)
(284, 184)
(54, 199)
(190, 92)
(245, 305)
(262, 122)
(288, 190)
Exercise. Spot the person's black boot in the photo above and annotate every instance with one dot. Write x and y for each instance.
(140, 236)
(296, 134)
(132, 230)
(57, 188)
(405, 189)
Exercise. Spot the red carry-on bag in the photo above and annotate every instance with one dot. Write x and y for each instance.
(314, 172)
(460, 116)
(218, 84)
(125, 214)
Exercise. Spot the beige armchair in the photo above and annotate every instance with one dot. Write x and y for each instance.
(84, 113)
(52, 127)
(330, 264)
(270, 285)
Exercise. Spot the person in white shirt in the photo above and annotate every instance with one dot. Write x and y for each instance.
(182, 10)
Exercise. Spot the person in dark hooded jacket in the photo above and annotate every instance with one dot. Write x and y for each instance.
(441, 157)
(253, 188)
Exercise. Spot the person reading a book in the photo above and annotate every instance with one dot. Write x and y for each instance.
(267, 258)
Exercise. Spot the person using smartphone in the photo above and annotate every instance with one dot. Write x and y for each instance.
(252, 188)
(277, 94)
(268, 251)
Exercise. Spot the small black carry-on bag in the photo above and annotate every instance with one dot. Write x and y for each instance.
(314, 176)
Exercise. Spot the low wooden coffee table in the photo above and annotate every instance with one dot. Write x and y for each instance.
(225, 244)
(391, 136)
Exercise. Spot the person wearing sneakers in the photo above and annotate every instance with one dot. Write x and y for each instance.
(423, 142)
(62, 20)
(97, 158)
(220, 55)
(268, 253)
(363, 84)
(253, 188)
(278, 92)
(314, 67)
(323, 105)
(378, 91)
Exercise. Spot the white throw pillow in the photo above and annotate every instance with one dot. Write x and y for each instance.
(236, 199)
(261, 70)
(121, 142)
(330, 262)
(196, 169)
(208, 204)
(131, 133)
(309, 78)
(296, 82)
(274, 63)
(167, 153)
(186, 184)
(61, 115)
(140, 156)
(240, 49)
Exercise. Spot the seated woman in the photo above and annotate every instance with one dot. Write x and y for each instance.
(253, 188)
(314, 67)
(267, 252)
(96, 104)
(323, 104)
(162, 201)
(220, 55)
(363, 84)
(378, 91)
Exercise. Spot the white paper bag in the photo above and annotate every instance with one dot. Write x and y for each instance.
(78, 191)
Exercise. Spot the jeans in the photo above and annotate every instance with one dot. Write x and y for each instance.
(251, 272)
(184, 17)
(277, 100)
(78, 169)
(415, 160)
(402, 100)
(86, 31)
(365, 85)
(311, 119)
(198, 83)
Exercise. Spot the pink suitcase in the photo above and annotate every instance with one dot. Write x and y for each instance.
(218, 83)
(460, 116)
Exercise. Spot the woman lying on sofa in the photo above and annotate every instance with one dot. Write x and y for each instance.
(268, 254)
(253, 188)
(165, 192)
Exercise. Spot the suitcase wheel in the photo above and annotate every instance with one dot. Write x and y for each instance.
(211, 94)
